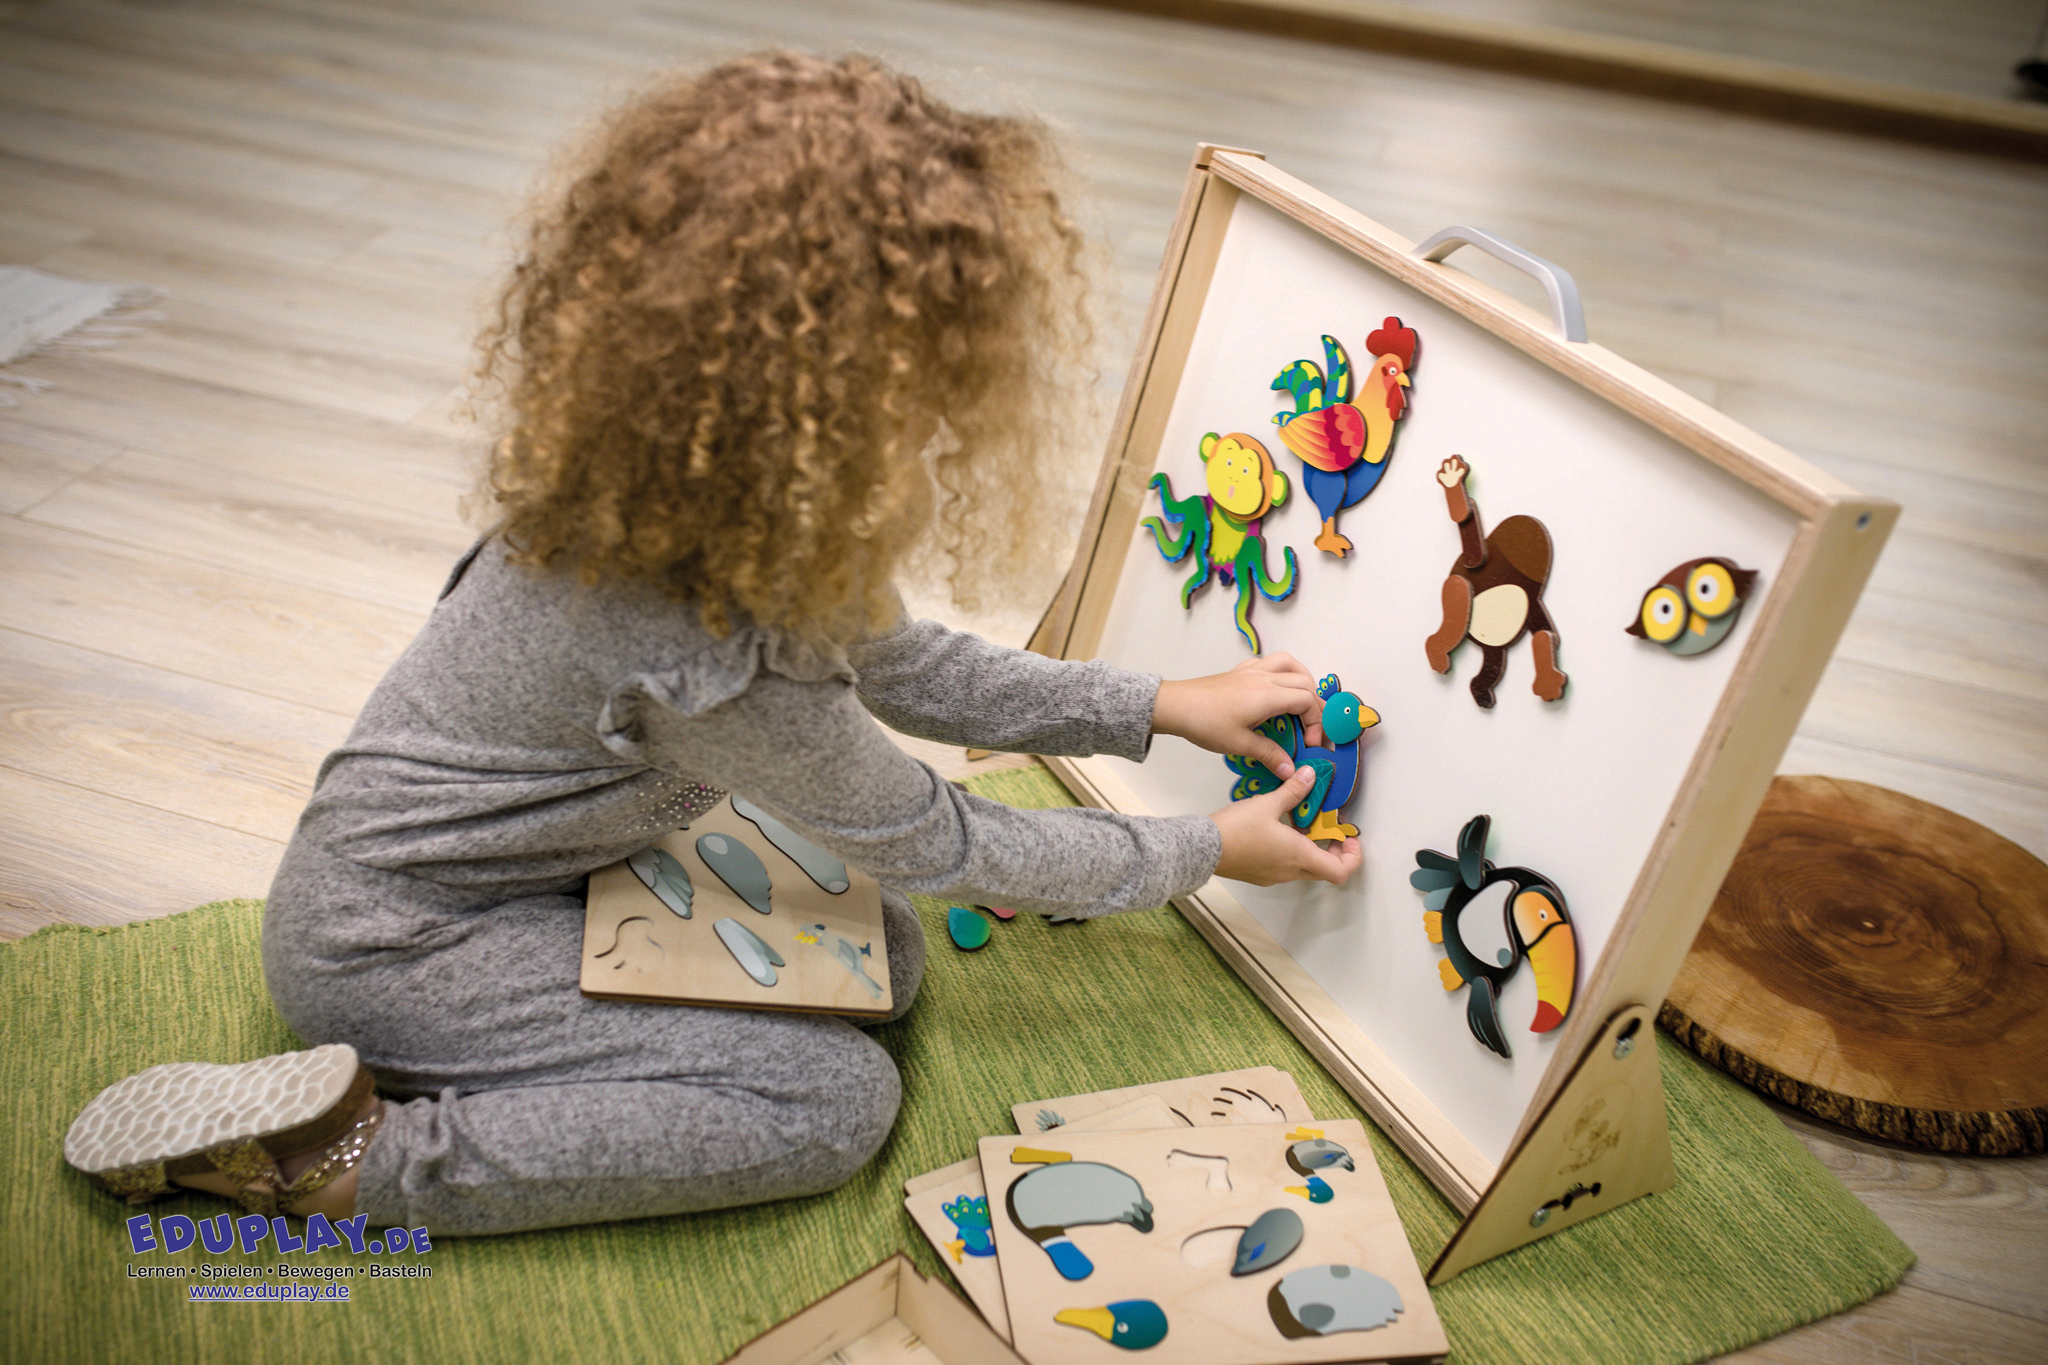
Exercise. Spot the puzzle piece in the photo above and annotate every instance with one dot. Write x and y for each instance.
(821, 867)
(738, 866)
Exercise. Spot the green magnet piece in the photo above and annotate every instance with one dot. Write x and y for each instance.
(738, 866)
(969, 930)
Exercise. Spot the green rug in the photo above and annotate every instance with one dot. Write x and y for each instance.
(1756, 1238)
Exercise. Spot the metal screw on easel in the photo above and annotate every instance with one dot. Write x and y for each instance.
(1540, 1217)
(1625, 1042)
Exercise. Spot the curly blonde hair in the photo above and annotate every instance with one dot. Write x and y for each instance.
(793, 326)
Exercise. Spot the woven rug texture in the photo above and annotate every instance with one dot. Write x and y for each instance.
(1755, 1239)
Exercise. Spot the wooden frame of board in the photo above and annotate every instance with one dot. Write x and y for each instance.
(1597, 1115)
(889, 1314)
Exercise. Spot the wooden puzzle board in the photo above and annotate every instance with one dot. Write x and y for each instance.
(923, 1199)
(636, 948)
(1260, 1094)
(1193, 1101)
(1213, 1317)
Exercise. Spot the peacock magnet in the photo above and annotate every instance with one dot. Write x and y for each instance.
(1345, 720)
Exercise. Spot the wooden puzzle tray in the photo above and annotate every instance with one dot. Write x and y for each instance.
(737, 910)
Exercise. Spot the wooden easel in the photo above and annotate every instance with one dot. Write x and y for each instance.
(1593, 1135)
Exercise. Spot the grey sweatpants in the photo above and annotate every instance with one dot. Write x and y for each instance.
(539, 1107)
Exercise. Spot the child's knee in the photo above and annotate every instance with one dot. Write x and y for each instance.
(904, 933)
(857, 1109)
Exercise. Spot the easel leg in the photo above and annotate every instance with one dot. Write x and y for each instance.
(1602, 1142)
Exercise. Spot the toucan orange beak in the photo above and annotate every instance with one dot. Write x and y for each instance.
(1555, 960)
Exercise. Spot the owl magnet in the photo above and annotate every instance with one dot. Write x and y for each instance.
(1693, 608)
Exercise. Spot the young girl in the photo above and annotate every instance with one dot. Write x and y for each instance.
(792, 320)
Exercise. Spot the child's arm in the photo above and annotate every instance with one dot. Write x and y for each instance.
(811, 755)
(955, 688)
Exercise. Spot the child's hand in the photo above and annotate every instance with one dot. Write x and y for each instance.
(1261, 847)
(1219, 711)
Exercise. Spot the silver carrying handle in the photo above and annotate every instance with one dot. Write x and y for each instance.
(1557, 281)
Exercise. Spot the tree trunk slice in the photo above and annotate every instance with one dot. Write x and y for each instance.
(1881, 963)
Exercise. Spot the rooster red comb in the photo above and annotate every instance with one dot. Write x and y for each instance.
(1396, 340)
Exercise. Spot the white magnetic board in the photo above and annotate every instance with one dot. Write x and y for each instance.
(1578, 790)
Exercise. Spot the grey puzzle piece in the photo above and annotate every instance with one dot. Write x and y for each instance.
(1325, 1299)
(755, 957)
(1072, 1194)
(660, 873)
(1270, 1239)
(1318, 1154)
(738, 866)
(821, 867)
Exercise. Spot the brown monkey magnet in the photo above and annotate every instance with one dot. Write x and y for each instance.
(1494, 595)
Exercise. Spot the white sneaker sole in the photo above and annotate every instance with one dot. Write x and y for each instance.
(183, 1108)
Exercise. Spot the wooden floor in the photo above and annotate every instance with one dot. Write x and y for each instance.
(216, 535)
(1960, 47)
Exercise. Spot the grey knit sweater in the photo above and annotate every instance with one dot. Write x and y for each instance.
(539, 728)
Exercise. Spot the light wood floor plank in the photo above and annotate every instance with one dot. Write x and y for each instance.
(186, 746)
(37, 461)
(423, 324)
(233, 431)
(1949, 642)
(228, 349)
(172, 162)
(1956, 573)
(80, 203)
(1978, 1224)
(69, 855)
(259, 527)
(1908, 1326)
(290, 643)
(1974, 729)
(2014, 809)
(1964, 49)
